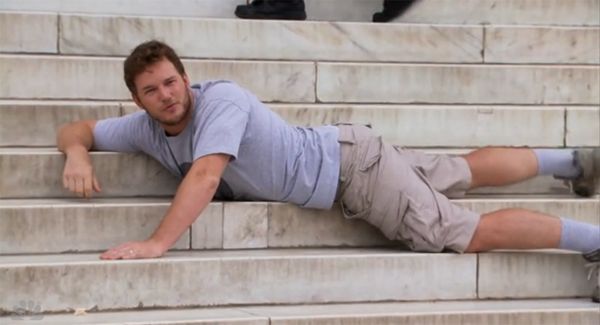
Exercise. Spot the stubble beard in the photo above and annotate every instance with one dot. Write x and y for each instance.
(177, 119)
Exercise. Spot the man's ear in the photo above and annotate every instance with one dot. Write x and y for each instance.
(186, 80)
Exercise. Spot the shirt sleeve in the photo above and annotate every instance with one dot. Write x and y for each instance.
(221, 130)
(121, 134)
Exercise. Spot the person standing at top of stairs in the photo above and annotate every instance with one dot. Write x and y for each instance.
(224, 143)
(295, 10)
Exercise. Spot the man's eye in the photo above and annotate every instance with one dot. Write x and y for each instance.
(149, 91)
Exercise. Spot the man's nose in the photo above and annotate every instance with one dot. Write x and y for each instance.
(164, 93)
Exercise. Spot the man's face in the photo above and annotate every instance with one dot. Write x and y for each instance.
(163, 93)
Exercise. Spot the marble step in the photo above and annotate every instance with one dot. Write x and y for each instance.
(305, 41)
(532, 312)
(74, 225)
(535, 12)
(35, 123)
(100, 78)
(520, 44)
(455, 125)
(286, 40)
(291, 276)
(472, 84)
(37, 173)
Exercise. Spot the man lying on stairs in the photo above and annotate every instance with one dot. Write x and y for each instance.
(224, 143)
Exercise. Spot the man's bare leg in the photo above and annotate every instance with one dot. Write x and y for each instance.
(497, 166)
(515, 229)
(520, 228)
(509, 228)
(525, 229)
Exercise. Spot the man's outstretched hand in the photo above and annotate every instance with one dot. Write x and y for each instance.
(134, 250)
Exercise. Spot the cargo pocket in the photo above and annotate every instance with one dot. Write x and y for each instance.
(358, 194)
(388, 211)
(421, 229)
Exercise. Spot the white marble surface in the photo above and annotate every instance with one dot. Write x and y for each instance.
(245, 225)
(190, 256)
(270, 81)
(72, 77)
(520, 12)
(532, 275)
(180, 8)
(36, 173)
(539, 185)
(274, 40)
(207, 230)
(457, 84)
(583, 126)
(39, 175)
(489, 124)
(36, 123)
(437, 125)
(534, 312)
(102, 78)
(549, 317)
(245, 277)
(536, 12)
(28, 32)
(553, 45)
(292, 226)
(442, 126)
(59, 225)
(78, 228)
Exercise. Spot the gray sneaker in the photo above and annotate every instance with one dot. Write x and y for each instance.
(589, 162)
(594, 271)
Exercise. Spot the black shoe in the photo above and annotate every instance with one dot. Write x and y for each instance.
(391, 10)
(588, 161)
(594, 272)
(272, 9)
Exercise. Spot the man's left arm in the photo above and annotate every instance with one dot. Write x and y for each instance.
(194, 193)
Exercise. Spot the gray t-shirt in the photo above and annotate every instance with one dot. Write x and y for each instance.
(271, 160)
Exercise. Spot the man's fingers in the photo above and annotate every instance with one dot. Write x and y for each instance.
(120, 252)
(72, 186)
(130, 253)
(96, 185)
(87, 187)
(109, 255)
(79, 186)
(86, 183)
(127, 253)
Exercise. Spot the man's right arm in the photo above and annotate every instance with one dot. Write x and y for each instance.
(75, 140)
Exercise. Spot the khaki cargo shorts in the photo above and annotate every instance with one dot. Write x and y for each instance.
(404, 193)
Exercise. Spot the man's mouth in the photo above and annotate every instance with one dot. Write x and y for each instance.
(170, 107)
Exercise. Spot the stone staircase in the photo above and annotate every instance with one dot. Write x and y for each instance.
(447, 79)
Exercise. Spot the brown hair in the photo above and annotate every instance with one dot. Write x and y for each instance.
(145, 55)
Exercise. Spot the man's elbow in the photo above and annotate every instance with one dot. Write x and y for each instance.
(209, 182)
(63, 129)
(62, 135)
(80, 132)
